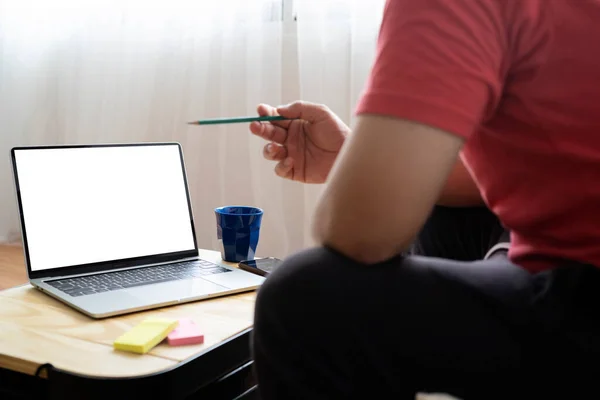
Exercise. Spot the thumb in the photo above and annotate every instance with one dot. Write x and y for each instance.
(311, 112)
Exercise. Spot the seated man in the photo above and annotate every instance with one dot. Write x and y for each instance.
(511, 89)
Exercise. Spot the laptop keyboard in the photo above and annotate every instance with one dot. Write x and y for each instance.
(92, 284)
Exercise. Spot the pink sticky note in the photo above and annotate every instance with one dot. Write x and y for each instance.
(187, 332)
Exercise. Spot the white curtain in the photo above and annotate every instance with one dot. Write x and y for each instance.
(98, 71)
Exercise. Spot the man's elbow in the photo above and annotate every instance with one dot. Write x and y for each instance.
(363, 252)
(357, 247)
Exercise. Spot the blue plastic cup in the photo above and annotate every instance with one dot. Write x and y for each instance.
(238, 229)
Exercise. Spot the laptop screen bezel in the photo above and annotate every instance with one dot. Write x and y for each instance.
(108, 265)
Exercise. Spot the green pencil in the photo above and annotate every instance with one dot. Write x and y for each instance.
(237, 120)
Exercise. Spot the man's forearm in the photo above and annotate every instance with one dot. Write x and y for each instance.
(460, 189)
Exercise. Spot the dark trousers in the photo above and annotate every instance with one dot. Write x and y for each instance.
(329, 328)
(460, 234)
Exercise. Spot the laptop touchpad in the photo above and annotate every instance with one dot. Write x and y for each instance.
(176, 290)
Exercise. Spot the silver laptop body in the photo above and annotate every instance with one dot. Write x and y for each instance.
(108, 229)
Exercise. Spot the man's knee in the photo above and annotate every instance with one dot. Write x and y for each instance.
(304, 273)
(308, 280)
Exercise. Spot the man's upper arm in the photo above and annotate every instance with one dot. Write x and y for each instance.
(388, 176)
(440, 65)
(439, 62)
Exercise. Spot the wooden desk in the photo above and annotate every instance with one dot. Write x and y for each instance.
(12, 269)
(36, 329)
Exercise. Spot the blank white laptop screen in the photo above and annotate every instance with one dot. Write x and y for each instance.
(87, 205)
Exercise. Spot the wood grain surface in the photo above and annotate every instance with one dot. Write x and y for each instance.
(37, 329)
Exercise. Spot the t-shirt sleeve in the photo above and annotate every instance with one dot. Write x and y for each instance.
(438, 62)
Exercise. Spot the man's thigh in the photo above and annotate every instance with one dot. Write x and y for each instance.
(459, 233)
(410, 324)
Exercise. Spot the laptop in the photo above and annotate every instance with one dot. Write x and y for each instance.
(108, 229)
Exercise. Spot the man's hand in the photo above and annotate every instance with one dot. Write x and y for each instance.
(306, 147)
(383, 186)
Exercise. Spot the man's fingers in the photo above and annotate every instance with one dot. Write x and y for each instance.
(275, 152)
(285, 168)
(311, 112)
(269, 132)
(265, 110)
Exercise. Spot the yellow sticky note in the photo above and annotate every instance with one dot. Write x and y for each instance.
(145, 335)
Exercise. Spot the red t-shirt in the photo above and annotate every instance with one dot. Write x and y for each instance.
(520, 80)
